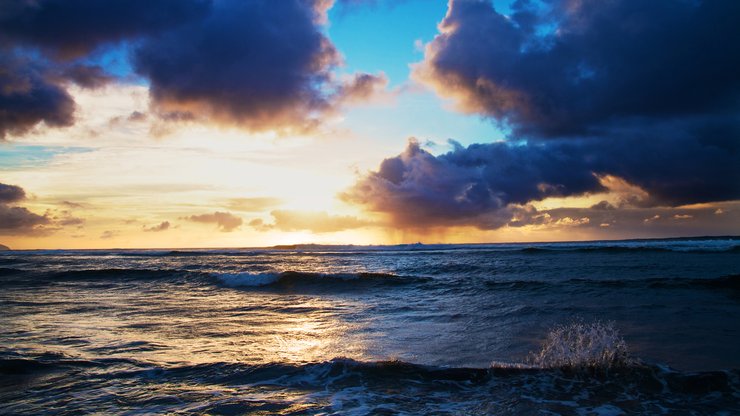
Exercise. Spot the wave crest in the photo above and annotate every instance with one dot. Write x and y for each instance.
(289, 278)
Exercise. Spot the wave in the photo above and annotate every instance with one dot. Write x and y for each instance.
(4, 271)
(293, 278)
(116, 273)
(379, 372)
(735, 249)
(580, 366)
(730, 282)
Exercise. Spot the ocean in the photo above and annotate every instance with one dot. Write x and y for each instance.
(594, 328)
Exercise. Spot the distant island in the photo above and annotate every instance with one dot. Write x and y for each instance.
(4, 248)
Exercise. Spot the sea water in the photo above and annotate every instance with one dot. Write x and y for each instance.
(604, 328)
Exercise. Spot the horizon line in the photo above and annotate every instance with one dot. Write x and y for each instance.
(295, 246)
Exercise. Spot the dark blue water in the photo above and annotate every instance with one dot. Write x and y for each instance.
(373, 330)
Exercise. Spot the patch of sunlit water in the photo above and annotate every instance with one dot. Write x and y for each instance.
(216, 326)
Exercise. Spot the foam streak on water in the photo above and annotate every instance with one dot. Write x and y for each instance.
(639, 327)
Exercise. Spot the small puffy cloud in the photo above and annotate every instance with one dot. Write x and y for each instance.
(108, 234)
(314, 221)
(69, 220)
(654, 218)
(163, 226)
(603, 205)
(364, 88)
(70, 204)
(225, 221)
(137, 116)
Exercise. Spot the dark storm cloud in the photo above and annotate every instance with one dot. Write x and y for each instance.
(29, 95)
(258, 64)
(479, 184)
(572, 66)
(647, 92)
(86, 76)
(73, 28)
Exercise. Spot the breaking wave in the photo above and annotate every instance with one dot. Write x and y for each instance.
(289, 278)
(345, 386)
(580, 345)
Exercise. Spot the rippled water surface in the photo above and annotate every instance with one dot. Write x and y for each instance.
(358, 330)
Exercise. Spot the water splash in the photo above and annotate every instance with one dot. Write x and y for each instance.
(583, 345)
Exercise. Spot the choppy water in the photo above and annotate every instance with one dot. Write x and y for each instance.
(369, 330)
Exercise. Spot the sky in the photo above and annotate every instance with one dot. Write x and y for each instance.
(225, 123)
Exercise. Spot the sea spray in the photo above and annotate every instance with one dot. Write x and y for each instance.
(579, 345)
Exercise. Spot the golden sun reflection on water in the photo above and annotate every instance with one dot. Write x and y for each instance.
(199, 326)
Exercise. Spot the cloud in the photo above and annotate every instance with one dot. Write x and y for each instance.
(69, 29)
(257, 204)
(257, 64)
(65, 218)
(16, 220)
(70, 204)
(11, 193)
(629, 222)
(364, 88)
(314, 221)
(639, 98)
(29, 95)
(225, 221)
(86, 76)
(19, 220)
(478, 184)
(163, 226)
(108, 234)
(569, 68)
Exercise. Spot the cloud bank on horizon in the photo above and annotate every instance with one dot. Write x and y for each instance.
(647, 92)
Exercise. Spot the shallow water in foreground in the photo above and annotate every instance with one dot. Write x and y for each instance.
(358, 330)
